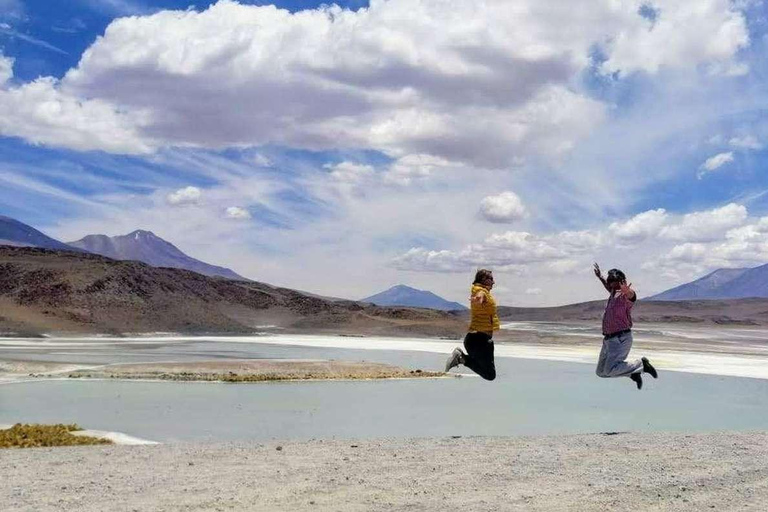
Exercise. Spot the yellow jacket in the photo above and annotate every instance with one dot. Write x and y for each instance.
(483, 316)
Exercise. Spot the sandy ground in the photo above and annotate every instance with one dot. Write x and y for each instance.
(723, 471)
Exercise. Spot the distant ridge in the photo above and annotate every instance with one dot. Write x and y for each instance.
(731, 283)
(145, 246)
(402, 295)
(18, 234)
(707, 287)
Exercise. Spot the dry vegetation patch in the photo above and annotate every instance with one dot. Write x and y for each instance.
(253, 371)
(37, 436)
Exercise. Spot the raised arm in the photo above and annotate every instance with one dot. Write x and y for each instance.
(599, 275)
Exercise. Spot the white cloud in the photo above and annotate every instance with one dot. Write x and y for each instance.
(236, 212)
(503, 208)
(42, 113)
(688, 252)
(743, 246)
(579, 241)
(508, 250)
(564, 267)
(533, 291)
(707, 225)
(715, 162)
(745, 142)
(639, 227)
(422, 259)
(187, 195)
(6, 69)
(411, 168)
(490, 83)
(350, 172)
(680, 36)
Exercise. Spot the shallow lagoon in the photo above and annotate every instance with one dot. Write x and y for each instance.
(528, 397)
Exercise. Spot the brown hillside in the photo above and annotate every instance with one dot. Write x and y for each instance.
(55, 291)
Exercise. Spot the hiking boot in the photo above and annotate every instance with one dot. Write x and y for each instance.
(638, 380)
(455, 359)
(648, 368)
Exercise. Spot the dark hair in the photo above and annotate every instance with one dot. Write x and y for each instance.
(616, 275)
(482, 275)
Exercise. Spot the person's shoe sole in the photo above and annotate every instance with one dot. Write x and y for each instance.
(649, 369)
(638, 379)
(453, 360)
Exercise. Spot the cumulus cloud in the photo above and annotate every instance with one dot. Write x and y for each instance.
(41, 113)
(688, 252)
(708, 225)
(187, 195)
(489, 83)
(678, 36)
(639, 227)
(236, 212)
(743, 246)
(715, 162)
(511, 250)
(655, 240)
(503, 208)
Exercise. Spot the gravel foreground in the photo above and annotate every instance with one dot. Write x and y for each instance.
(721, 471)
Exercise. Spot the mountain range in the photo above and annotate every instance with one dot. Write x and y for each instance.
(731, 283)
(139, 245)
(402, 295)
(18, 234)
(149, 248)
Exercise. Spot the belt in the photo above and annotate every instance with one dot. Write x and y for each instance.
(617, 333)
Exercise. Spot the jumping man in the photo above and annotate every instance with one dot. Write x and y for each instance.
(617, 331)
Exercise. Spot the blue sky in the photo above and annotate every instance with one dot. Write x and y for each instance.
(347, 149)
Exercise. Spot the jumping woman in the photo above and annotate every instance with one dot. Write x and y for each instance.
(479, 340)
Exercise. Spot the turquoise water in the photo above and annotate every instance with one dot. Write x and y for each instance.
(528, 397)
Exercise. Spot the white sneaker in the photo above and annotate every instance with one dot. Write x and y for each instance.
(455, 359)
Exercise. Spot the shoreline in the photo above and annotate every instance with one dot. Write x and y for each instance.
(593, 472)
(697, 351)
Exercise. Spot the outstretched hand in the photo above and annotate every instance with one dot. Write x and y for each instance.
(598, 272)
(626, 290)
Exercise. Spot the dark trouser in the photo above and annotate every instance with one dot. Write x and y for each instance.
(479, 356)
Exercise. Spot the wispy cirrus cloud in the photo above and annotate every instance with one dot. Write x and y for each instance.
(8, 31)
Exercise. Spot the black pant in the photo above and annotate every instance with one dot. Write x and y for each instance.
(479, 356)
